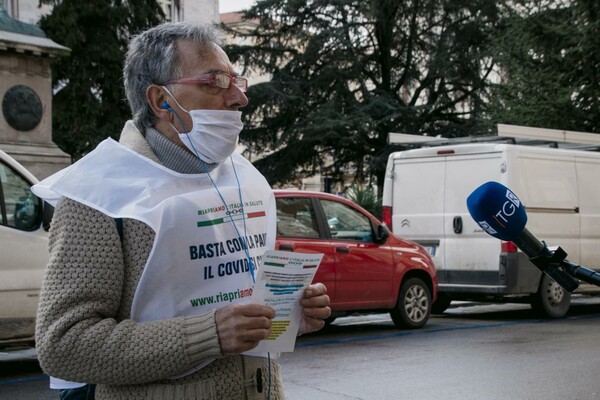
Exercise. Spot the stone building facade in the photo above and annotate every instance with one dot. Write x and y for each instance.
(26, 96)
(30, 12)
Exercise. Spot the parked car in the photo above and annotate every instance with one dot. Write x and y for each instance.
(24, 223)
(365, 267)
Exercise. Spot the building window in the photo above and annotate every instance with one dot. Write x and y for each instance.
(171, 9)
(8, 5)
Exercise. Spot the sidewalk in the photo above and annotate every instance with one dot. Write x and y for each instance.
(17, 354)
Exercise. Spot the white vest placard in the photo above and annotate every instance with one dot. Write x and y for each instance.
(198, 260)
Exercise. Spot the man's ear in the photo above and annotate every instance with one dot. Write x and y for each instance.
(155, 97)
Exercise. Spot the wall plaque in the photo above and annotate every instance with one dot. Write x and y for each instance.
(22, 108)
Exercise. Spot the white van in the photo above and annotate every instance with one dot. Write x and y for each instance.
(24, 224)
(424, 200)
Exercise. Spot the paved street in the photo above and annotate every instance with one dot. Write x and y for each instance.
(492, 352)
(474, 351)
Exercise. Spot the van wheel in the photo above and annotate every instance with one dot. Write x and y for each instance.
(441, 303)
(551, 300)
(414, 305)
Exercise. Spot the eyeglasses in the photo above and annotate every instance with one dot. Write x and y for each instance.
(221, 80)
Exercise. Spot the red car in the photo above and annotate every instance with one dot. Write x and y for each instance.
(365, 267)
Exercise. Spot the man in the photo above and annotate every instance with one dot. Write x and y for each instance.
(142, 313)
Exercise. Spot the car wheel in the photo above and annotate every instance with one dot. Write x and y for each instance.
(551, 300)
(441, 303)
(414, 305)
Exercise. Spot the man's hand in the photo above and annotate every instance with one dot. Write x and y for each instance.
(241, 326)
(315, 308)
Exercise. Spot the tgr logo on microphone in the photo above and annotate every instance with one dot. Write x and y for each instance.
(486, 227)
(508, 208)
(513, 197)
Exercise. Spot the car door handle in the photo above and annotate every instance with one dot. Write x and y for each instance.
(342, 250)
(288, 247)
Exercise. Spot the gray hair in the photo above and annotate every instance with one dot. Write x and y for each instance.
(152, 60)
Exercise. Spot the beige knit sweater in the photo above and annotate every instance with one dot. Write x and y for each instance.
(84, 333)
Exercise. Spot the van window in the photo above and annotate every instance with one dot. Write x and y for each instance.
(21, 209)
(346, 223)
(549, 182)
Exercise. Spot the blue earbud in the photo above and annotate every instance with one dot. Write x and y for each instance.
(166, 106)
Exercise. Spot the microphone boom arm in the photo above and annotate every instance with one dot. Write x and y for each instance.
(548, 261)
(554, 263)
(581, 273)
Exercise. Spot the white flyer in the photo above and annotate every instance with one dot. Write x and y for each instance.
(280, 284)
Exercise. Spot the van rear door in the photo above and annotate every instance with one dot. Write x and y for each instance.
(418, 204)
(471, 257)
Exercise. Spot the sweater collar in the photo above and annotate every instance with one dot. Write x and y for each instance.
(159, 148)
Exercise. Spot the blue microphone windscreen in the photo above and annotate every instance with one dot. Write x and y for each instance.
(497, 210)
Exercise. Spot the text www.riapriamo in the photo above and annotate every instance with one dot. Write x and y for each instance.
(221, 297)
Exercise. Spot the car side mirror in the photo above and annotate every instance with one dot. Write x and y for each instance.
(47, 213)
(382, 233)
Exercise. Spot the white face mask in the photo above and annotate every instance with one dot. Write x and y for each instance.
(214, 135)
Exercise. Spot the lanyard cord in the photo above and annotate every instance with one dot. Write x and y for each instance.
(243, 214)
(242, 240)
